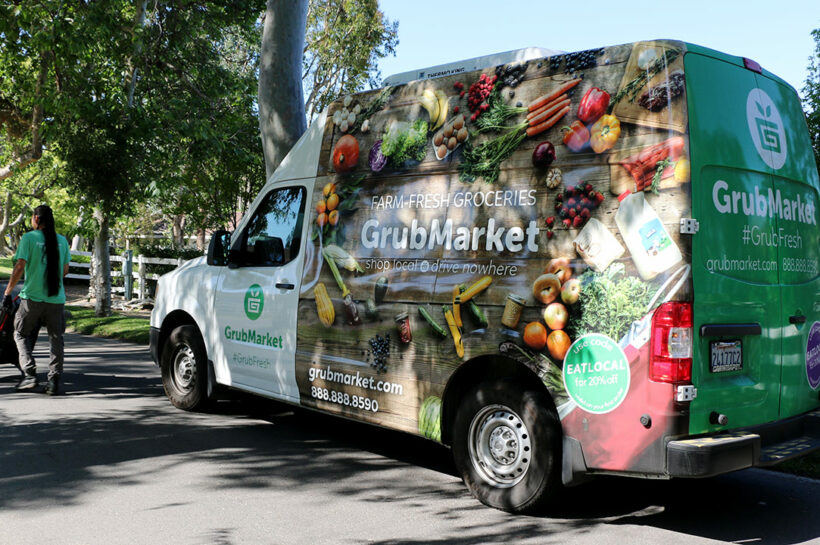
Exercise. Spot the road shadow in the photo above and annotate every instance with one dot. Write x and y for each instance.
(255, 444)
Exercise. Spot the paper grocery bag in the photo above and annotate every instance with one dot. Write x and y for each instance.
(597, 245)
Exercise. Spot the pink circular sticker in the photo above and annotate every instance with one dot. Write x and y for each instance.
(813, 356)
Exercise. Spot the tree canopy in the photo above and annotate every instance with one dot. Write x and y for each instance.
(344, 41)
(811, 100)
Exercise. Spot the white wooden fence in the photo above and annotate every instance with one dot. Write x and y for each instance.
(141, 275)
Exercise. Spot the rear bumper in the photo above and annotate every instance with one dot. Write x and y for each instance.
(153, 343)
(751, 447)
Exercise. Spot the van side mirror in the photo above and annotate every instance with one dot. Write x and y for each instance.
(218, 248)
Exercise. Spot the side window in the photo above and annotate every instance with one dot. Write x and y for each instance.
(274, 233)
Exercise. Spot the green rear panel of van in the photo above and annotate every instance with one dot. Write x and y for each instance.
(773, 383)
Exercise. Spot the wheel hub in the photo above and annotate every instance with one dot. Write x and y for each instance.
(184, 367)
(500, 446)
(503, 445)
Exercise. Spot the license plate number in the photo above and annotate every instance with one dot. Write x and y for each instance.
(725, 356)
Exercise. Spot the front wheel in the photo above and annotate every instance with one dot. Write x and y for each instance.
(184, 368)
(507, 446)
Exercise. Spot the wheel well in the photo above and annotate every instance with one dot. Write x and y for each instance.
(171, 322)
(477, 370)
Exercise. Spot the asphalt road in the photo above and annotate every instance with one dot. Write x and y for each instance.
(111, 461)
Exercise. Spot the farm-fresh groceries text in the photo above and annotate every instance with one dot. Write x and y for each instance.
(460, 199)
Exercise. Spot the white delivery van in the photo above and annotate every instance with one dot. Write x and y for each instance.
(602, 262)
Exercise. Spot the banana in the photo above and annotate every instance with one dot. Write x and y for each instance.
(443, 108)
(430, 102)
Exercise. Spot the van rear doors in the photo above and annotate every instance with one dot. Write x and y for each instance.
(756, 253)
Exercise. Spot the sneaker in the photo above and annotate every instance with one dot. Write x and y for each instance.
(29, 382)
(53, 386)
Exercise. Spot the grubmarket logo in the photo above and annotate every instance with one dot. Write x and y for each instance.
(766, 129)
(254, 302)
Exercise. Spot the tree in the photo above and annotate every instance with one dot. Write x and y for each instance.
(344, 41)
(214, 160)
(126, 91)
(21, 192)
(811, 100)
(281, 105)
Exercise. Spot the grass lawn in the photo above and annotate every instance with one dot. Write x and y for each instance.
(807, 466)
(117, 326)
(5, 268)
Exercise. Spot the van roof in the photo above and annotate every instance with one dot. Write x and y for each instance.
(469, 65)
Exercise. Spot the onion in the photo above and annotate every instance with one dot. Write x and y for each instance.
(543, 155)
(376, 159)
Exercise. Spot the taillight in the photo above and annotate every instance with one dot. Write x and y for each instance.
(670, 359)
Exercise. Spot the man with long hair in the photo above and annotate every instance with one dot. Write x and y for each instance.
(43, 256)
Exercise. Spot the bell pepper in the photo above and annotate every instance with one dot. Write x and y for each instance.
(576, 136)
(593, 105)
(604, 133)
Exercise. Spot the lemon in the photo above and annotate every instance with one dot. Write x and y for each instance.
(682, 171)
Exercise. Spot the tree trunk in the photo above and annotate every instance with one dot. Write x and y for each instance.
(36, 150)
(77, 243)
(177, 233)
(102, 272)
(200, 240)
(281, 101)
(6, 224)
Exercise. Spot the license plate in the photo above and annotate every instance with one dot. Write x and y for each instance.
(725, 356)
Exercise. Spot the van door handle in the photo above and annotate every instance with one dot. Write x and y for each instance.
(284, 286)
(797, 319)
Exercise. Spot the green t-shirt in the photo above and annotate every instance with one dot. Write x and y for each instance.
(32, 248)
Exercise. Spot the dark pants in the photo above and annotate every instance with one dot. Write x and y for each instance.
(29, 317)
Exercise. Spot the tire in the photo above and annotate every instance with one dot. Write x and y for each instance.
(184, 368)
(506, 445)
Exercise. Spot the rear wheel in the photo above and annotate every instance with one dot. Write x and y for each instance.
(507, 446)
(184, 368)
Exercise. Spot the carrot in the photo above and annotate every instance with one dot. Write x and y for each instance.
(538, 129)
(546, 114)
(554, 94)
(546, 106)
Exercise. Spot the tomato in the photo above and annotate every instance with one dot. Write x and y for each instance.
(345, 154)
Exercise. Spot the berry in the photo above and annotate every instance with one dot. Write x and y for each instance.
(588, 188)
(558, 206)
(585, 203)
(564, 213)
(559, 197)
(599, 198)
(550, 221)
(550, 234)
(572, 212)
(461, 94)
(577, 222)
(567, 222)
(585, 213)
(455, 110)
(571, 203)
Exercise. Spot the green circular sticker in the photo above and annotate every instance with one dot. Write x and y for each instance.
(596, 373)
(254, 302)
